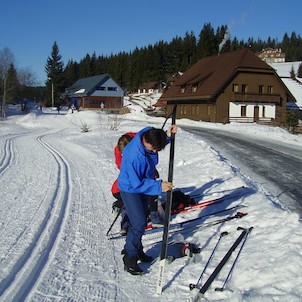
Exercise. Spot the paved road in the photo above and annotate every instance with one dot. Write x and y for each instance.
(278, 168)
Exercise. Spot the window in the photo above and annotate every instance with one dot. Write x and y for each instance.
(261, 89)
(183, 109)
(182, 89)
(209, 110)
(244, 88)
(235, 87)
(263, 111)
(112, 88)
(269, 89)
(243, 110)
(194, 88)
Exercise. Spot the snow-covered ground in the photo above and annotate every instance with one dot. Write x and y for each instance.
(55, 210)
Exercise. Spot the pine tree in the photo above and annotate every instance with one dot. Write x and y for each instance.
(190, 51)
(292, 120)
(54, 70)
(299, 73)
(71, 73)
(292, 73)
(207, 44)
(12, 84)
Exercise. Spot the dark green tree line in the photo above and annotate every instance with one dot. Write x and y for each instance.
(157, 62)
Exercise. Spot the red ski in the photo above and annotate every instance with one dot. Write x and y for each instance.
(234, 194)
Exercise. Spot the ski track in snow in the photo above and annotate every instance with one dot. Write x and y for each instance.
(8, 155)
(84, 247)
(30, 265)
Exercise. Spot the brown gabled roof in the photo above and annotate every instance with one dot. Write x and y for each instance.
(210, 75)
(174, 76)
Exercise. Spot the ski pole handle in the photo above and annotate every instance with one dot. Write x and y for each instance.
(241, 229)
(240, 214)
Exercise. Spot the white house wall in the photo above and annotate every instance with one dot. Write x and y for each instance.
(235, 111)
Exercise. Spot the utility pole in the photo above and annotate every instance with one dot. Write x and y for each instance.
(52, 93)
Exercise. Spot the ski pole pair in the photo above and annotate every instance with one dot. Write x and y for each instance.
(234, 263)
(242, 238)
(192, 286)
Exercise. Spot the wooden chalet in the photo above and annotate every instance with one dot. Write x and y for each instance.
(95, 92)
(271, 55)
(235, 86)
(150, 87)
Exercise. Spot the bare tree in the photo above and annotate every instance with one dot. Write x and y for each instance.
(7, 59)
(26, 77)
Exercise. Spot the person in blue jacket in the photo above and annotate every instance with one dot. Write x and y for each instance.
(137, 185)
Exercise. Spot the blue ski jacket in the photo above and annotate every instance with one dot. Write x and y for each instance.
(138, 168)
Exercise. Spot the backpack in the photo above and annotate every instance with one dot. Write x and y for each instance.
(180, 201)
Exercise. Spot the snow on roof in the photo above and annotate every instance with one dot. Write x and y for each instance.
(80, 91)
(284, 69)
(295, 87)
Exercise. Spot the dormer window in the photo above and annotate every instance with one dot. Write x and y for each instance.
(112, 88)
(182, 89)
(194, 88)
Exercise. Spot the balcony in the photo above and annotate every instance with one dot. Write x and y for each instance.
(256, 97)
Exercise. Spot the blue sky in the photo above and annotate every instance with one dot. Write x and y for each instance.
(30, 27)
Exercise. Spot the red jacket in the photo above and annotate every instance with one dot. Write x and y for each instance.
(118, 160)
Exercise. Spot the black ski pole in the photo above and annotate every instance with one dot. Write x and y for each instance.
(234, 263)
(163, 253)
(237, 215)
(222, 263)
(115, 219)
(209, 260)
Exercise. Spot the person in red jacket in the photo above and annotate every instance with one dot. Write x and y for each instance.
(118, 149)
